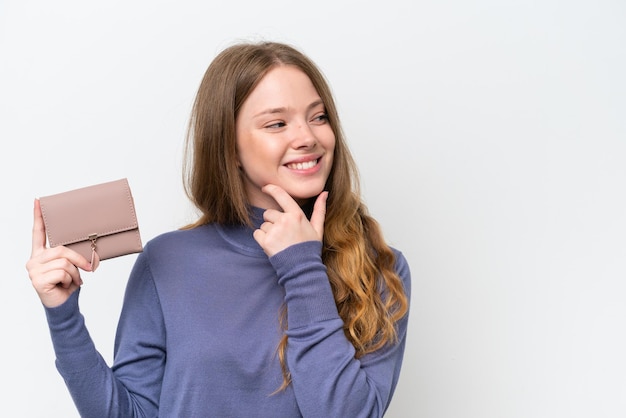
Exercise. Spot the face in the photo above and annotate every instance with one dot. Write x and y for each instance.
(284, 138)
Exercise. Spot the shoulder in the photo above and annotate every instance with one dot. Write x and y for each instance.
(169, 252)
(180, 241)
(175, 235)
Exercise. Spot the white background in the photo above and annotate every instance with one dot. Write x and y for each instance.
(491, 138)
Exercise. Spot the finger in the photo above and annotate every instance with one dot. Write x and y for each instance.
(259, 236)
(271, 215)
(57, 272)
(67, 281)
(265, 226)
(319, 214)
(76, 279)
(78, 260)
(39, 242)
(58, 278)
(284, 200)
(39, 230)
(64, 253)
(74, 274)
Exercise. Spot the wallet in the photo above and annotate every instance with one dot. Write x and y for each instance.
(98, 221)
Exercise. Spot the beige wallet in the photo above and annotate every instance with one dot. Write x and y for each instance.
(98, 221)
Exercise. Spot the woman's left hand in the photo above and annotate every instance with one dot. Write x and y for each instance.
(283, 229)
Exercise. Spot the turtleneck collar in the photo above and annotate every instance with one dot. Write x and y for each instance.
(240, 236)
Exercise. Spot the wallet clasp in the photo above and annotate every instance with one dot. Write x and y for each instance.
(95, 259)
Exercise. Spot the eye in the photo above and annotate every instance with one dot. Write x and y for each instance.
(275, 125)
(320, 118)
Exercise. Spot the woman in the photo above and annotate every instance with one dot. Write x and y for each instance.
(282, 300)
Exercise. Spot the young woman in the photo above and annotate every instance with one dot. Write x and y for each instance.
(282, 300)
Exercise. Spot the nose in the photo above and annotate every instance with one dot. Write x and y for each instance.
(303, 136)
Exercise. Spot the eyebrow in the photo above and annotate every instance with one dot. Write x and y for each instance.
(275, 110)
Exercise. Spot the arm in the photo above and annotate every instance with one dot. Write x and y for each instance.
(327, 380)
(132, 387)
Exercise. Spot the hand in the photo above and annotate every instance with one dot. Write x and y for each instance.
(283, 229)
(53, 271)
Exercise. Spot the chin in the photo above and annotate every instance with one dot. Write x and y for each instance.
(305, 199)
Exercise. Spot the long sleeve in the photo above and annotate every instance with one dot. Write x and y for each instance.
(327, 380)
(199, 329)
(132, 387)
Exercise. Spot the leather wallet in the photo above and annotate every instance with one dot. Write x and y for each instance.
(98, 221)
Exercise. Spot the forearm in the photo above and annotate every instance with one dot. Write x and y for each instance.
(90, 381)
(326, 377)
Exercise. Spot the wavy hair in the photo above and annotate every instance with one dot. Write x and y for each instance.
(361, 267)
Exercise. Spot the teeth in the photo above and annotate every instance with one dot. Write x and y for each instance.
(302, 166)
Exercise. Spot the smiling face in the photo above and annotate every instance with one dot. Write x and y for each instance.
(284, 138)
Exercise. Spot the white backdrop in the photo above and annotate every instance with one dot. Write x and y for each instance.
(491, 137)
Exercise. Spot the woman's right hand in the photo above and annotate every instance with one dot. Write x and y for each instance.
(54, 272)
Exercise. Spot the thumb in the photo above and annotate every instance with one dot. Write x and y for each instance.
(39, 229)
(319, 214)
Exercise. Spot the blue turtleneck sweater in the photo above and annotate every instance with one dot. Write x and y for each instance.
(199, 331)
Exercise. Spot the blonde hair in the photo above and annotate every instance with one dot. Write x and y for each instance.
(361, 267)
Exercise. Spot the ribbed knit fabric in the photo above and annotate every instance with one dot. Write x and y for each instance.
(199, 331)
